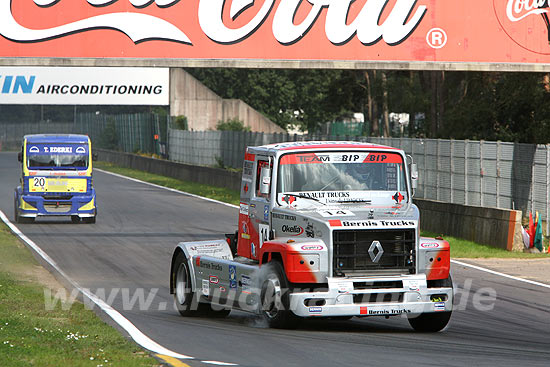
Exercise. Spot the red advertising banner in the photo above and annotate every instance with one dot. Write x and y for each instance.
(465, 34)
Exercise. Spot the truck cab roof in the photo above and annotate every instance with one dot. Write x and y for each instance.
(53, 138)
(273, 149)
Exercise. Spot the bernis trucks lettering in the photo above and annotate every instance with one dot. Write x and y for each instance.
(326, 229)
(56, 178)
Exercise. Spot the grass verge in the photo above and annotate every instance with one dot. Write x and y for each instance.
(459, 248)
(212, 192)
(467, 249)
(31, 335)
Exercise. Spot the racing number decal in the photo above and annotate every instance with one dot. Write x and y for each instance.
(39, 182)
(264, 234)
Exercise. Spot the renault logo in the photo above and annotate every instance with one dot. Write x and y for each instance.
(375, 251)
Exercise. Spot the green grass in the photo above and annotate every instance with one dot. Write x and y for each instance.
(213, 192)
(30, 335)
(467, 249)
(459, 248)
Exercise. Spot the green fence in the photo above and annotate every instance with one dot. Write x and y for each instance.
(130, 133)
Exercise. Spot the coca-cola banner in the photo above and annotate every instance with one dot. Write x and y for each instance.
(497, 34)
(84, 86)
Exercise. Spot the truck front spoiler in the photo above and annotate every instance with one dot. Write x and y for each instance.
(365, 297)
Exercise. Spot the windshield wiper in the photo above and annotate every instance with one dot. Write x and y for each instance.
(355, 201)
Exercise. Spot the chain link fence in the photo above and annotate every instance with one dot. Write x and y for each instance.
(478, 173)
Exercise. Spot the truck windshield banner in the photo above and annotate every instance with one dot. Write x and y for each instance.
(467, 31)
(55, 149)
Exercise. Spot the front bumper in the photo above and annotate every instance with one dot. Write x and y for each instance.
(32, 206)
(365, 297)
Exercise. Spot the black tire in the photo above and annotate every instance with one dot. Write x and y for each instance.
(184, 298)
(213, 311)
(434, 321)
(75, 219)
(274, 297)
(89, 220)
(16, 216)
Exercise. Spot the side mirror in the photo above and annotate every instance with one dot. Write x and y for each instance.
(94, 157)
(20, 157)
(265, 182)
(414, 176)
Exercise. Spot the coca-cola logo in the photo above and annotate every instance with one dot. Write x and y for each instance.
(526, 22)
(293, 230)
(376, 20)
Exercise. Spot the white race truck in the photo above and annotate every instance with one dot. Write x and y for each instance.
(326, 229)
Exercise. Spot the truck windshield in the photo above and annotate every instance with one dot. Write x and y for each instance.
(57, 156)
(337, 177)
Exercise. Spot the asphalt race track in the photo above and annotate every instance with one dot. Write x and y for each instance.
(128, 251)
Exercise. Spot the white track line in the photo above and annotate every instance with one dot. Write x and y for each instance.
(501, 274)
(123, 322)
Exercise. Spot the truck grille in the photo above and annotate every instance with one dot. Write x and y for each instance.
(351, 252)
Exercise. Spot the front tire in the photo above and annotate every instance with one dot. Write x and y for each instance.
(274, 297)
(183, 294)
(434, 321)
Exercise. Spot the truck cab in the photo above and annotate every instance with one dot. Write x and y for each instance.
(332, 224)
(56, 178)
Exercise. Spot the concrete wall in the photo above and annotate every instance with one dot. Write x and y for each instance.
(204, 175)
(204, 108)
(491, 226)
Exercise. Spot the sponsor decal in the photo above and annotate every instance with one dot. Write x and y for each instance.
(222, 289)
(283, 216)
(388, 311)
(294, 230)
(429, 245)
(439, 306)
(335, 213)
(266, 213)
(413, 285)
(289, 199)
(345, 287)
(373, 223)
(214, 279)
(34, 149)
(363, 310)
(81, 150)
(232, 276)
(312, 248)
(398, 197)
(309, 230)
(244, 228)
(205, 287)
(209, 265)
(247, 169)
(315, 309)
(198, 261)
(243, 209)
(246, 284)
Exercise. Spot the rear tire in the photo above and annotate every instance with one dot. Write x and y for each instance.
(434, 321)
(274, 297)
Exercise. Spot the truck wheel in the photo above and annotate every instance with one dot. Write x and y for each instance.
(75, 219)
(274, 297)
(434, 321)
(183, 295)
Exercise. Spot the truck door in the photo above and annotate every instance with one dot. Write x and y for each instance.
(260, 205)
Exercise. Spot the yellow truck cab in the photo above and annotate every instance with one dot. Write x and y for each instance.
(56, 178)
